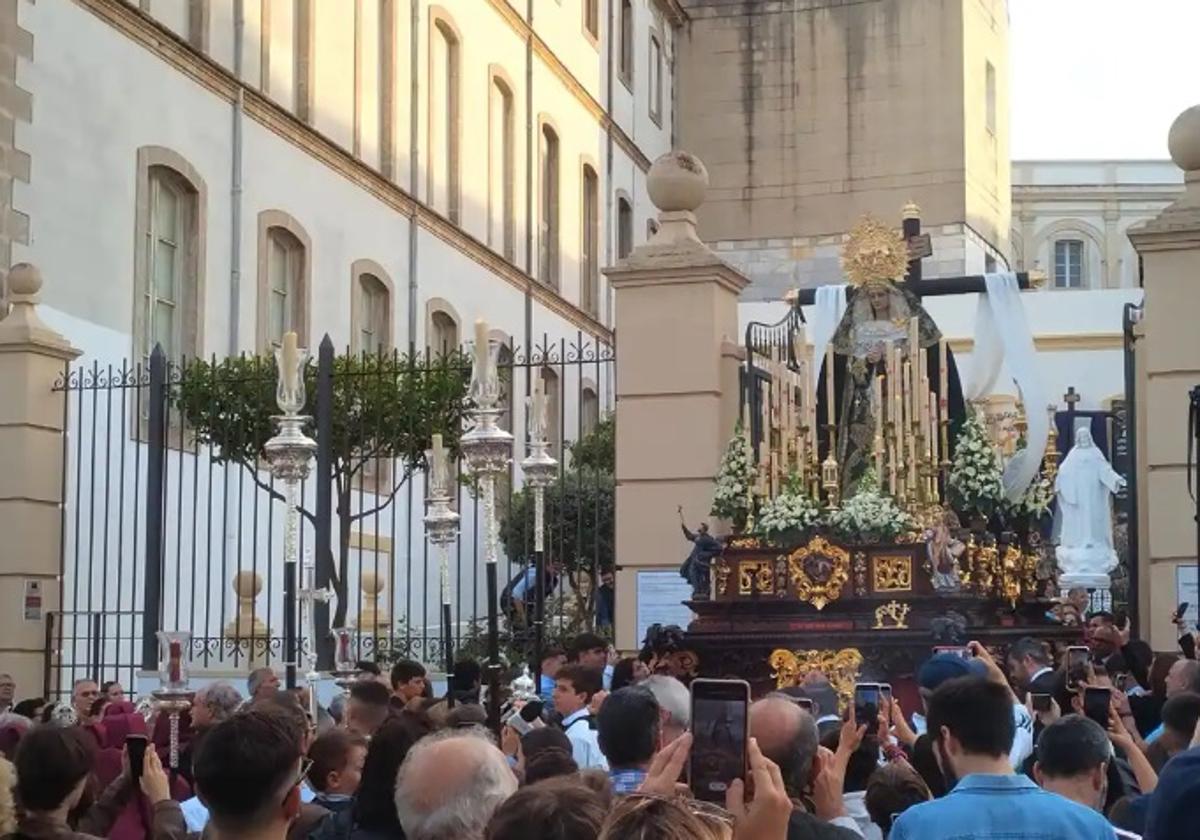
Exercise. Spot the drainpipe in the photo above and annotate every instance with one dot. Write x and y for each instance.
(531, 139)
(607, 317)
(414, 168)
(235, 191)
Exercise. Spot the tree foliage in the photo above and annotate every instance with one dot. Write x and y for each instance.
(385, 410)
(579, 514)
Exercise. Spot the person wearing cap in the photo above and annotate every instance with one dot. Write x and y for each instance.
(943, 667)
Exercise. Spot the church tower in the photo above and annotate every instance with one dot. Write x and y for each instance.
(810, 113)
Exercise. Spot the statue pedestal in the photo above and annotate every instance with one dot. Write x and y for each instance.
(1087, 566)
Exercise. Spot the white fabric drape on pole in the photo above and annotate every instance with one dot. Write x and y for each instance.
(1002, 335)
(828, 309)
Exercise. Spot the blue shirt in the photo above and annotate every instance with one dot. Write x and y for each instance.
(989, 807)
(626, 781)
(524, 584)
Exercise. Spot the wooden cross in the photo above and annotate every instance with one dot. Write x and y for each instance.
(919, 248)
(1071, 397)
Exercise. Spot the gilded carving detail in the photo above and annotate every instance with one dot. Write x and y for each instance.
(756, 577)
(892, 573)
(892, 616)
(839, 666)
(818, 571)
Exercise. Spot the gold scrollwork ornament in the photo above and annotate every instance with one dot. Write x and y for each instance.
(892, 573)
(723, 573)
(818, 571)
(892, 616)
(840, 667)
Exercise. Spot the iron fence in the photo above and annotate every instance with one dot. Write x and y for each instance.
(172, 520)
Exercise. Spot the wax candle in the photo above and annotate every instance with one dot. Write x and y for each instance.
(439, 463)
(943, 372)
(934, 448)
(538, 408)
(290, 360)
(877, 409)
(830, 410)
(174, 650)
(482, 355)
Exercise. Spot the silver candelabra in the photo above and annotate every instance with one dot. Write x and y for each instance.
(290, 454)
(487, 449)
(539, 468)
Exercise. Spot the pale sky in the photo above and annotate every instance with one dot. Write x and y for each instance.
(1101, 78)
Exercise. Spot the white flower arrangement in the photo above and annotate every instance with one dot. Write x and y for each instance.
(1036, 501)
(975, 485)
(792, 510)
(870, 516)
(733, 497)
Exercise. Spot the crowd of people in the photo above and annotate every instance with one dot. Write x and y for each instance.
(1011, 750)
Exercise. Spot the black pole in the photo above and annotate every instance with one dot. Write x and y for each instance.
(493, 665)
(448, 645)
(155, 454)
(1193, 463)
(323, 537)
(1133, 534)
(911, 227)
(289, 622)
(539, 617)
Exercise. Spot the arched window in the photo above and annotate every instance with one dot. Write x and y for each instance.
(443, 333)
(285, 272)
(501, 177)
(371, 309)
(548, 244)
(625, 47)
(1068, 263)
(656, 80)
(444, 115)
(589, 410)
(624, 228)
(589, 258)
(283, 279)
(169, 262)
(303, 54)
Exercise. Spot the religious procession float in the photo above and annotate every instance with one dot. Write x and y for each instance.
(873, 516)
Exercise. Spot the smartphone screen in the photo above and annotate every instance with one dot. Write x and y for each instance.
(720, 724)
(1096, 704)
(866, 703)
(136, 745)
(1040, 702)
(960, 652)
(805, 703)
(885, 692)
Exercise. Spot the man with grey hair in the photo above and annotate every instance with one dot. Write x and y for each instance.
(214, 703)
(262, 683)
(674, 704)
(449, 785)
(787, 735)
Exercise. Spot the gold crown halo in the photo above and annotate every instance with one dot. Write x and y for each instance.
(874, 253)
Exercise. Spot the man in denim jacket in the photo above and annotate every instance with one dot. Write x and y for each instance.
(971, 723)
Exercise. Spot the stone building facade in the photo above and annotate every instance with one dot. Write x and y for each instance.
(810, 113)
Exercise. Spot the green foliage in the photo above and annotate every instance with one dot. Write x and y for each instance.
(579, 515)
(384, 407)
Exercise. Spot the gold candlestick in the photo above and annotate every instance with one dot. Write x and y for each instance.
(830, 480)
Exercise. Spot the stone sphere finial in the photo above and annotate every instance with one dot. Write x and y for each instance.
(677, 181)
(24, 279)
(247, 584)
(1183, 141)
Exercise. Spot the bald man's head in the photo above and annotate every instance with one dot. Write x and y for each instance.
(787, 735)
(449, 785)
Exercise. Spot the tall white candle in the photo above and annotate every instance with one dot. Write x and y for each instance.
(290, 361)
(439, 462)
(481, 350)
(830, 408)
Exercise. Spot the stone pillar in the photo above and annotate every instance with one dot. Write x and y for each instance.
(677, 382)
(1168, 367)
(32, 357)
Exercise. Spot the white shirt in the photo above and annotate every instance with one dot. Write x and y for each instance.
(585, 743)
(856, 809)
(1022, 745)
(1043, 670)
(195, 815)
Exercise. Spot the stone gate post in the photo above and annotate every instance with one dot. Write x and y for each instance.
(1168, 366)
(676, 386)
(32, 357)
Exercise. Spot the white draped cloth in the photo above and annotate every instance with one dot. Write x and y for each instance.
(1002, 336)
(829, 307)
(1085, 484)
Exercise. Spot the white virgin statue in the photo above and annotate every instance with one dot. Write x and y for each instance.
(1085, 485)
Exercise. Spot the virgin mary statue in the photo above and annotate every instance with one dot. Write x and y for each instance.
(1085, 484)
(879, 308)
